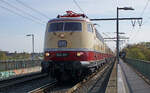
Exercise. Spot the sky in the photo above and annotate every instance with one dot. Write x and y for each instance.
(14, 27)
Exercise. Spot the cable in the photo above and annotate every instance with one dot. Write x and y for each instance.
(115, 3)
(78, 6)
(20, 10)
(146, 21)
(145, 8)
(142, 13)
(19, 14)
(29, 7)
(134, 35)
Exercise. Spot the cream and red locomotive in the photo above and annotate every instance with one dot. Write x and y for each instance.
(72, 46)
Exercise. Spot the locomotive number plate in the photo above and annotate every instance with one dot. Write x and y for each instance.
(62, 54)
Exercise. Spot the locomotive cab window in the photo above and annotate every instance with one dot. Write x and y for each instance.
(89, 28)
(72, 26)
(65, 26)
(55, 27)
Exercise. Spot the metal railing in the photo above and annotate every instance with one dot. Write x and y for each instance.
(141, 66)
(9, 69)
(11, 65)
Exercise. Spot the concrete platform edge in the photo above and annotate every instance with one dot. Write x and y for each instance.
(126, 83)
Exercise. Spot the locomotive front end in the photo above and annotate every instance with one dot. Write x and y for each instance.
(63, 41)
(65, 54)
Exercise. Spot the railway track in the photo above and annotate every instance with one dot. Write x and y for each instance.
(88, 85)
(42, 89)
(97, 82)
(24, 84)
(20, 79)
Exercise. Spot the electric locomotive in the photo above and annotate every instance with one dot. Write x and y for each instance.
(72, 46)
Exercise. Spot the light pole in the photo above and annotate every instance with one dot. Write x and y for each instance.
(32, 35)
(117, 24)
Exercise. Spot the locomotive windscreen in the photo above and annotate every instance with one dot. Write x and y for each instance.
(56, 27)
(65, 26)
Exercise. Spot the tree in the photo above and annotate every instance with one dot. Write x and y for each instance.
(138, 51)
(3, 56)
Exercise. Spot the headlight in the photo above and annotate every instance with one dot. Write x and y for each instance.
(79, 54)
(62, 35)
(47, 54)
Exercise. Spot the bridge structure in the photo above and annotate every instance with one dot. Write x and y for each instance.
(127, 76)
(114, 75)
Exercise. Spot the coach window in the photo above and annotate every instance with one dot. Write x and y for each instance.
(56, 27)
(89, 27)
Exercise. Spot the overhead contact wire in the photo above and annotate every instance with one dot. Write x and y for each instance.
(20, 15)
(78, 6)
(20, 10)
(142, 13)
(33, 9)
(145, 8)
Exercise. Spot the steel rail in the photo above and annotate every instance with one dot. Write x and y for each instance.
(94, 76)
(43, 88)
(20, 79)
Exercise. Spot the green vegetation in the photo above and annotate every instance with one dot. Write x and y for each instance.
(17, 56)
(5, 55)
(138, 51)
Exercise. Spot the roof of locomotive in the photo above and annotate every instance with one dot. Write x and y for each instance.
(70, 19)
(71, 16)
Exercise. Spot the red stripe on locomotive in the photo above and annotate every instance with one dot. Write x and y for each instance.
(72, 56)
